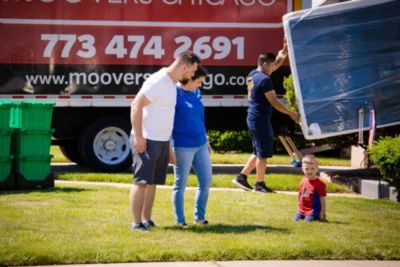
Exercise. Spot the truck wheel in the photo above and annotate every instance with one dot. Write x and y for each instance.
(104, 145)
(71, 152)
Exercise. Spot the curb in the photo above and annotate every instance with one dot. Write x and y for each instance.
(216, 168)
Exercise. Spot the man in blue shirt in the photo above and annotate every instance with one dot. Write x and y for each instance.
(262, 98)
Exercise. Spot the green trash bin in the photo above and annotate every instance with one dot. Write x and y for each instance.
(34, 171)
(9, 114)
(7, 179)
(5, 168)
(33, 142)
(5, 142)
(32, 115)
(5, 114)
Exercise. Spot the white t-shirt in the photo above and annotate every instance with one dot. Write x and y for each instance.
(158, 116)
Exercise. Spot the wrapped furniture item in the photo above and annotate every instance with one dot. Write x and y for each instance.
(345, 60)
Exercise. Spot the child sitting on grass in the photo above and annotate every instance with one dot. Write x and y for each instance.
(312, 192)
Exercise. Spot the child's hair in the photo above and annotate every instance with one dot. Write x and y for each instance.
(309, 159)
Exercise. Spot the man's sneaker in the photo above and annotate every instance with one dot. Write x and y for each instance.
(241, 181)
(138, 227)
(203, 222)
(149, 224)
(262, 188)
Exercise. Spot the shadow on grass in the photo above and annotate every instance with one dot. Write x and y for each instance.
(45, 190)
(226, 229)
(335, 222)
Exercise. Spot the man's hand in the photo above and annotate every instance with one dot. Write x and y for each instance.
(295, 116)
(139, 144)
(284, 51)
(172, 156)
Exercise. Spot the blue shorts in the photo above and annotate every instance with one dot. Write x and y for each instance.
(262, 138)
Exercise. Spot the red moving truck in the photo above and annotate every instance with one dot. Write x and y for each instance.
(91, 57)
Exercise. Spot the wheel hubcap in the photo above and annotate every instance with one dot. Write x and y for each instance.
(111, 145)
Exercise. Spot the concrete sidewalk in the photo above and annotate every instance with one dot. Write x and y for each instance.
(272, 263)
(169, 187)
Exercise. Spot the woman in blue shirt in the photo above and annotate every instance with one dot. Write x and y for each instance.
(191, 148)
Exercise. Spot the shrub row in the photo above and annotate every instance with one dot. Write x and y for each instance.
(386, 154)
(240, 141)
(229, 140)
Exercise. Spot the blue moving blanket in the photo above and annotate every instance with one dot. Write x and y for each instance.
(345, 57)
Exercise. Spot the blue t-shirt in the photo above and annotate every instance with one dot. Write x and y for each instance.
(189, 127)
(258, 83)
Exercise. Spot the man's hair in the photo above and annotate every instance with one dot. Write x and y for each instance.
(309, 159)
(200, 72)
(188, 58)
(266, 58)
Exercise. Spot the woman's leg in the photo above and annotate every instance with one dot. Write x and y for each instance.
(203, 169)
(184, 159)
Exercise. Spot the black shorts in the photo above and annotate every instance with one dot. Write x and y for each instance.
(262, 139)
(150, 167)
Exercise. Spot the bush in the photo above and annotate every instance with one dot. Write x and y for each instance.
(386, 154)
(238, 141)
(290, 95)
(230, 140)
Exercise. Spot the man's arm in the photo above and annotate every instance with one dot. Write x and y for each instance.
(136, 120)
(274, 101)
(280, 58)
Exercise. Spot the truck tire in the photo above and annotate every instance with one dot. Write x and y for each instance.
(71, 152)
(104, 145)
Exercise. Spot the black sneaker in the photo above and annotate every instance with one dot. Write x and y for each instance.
(149, 224)
(138, 227)
(262, 188)
(241, 181)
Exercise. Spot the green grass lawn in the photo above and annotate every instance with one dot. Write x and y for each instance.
(282, 182)
(233, 158)
(88, 224)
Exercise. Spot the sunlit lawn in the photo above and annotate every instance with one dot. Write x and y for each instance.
(234, 158)
(89, 224)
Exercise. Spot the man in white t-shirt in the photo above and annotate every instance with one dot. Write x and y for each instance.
(152, 118)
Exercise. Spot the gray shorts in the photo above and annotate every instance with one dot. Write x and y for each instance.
(150, 167)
